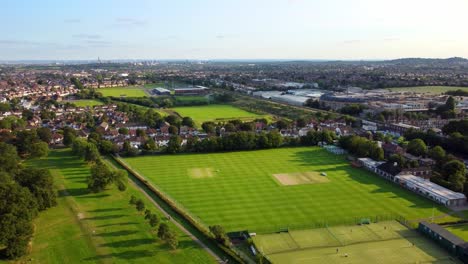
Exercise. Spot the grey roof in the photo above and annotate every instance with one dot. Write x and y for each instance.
(447, 235)
(431, 187)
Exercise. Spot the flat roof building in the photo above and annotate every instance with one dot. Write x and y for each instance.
(431, 190)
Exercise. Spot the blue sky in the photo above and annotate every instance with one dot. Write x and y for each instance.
(241, 29)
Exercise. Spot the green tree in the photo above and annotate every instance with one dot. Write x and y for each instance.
(133, 200)
(153, 220)
(174, 145)
(417, 147)
(9, 159)
(163, 230)
(17, 210)
(437, 153)
(455, 171)
(39, 150)
(140, 205)
(188, 121)
(171, 239)
(91, 153)
(219, 234)
(44, 134)
(147, 214)
(41, 184)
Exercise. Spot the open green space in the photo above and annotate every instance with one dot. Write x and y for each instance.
(191, 99)
(383, 242)
(215, 113)
(428, 89)
(131, 91)
(243, 194)
(85, 103)
(100, 227)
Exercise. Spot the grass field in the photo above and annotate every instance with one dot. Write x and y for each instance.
(99, 228)
(123, 91)
(85, 103)
(215, 113)
(383, 242)
(243, 193)
(429, 89)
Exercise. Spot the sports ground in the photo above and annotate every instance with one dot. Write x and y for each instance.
(131, 91)
(239, 190)
(428, 89)
(215, 113)
(85, 103)
(382, 242)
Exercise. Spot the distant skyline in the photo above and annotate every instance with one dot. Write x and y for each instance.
(241, 29)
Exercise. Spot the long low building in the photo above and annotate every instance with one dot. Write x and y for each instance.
(431, 190)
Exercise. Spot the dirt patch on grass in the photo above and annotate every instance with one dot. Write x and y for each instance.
(298, 178)
(201, 173)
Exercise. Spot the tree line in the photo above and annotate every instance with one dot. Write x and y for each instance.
(244, 140)
(24, 192)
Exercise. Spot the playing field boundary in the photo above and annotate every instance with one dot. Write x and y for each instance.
(198, 225)
(336, 222)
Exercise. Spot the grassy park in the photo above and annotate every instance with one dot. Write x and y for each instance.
(131, 91)
(240, 190)
(428, 89)
(215, 113)
(99, 228)
(85, 103)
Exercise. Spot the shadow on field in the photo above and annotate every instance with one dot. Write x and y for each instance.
(73, 192)
(105, 217)
(129, 243)
(309, 158)
(118, 224)
(105, 210)
(128, 255)
(94, 196)
(118, 233)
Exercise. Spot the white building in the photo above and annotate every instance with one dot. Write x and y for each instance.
(431, 190)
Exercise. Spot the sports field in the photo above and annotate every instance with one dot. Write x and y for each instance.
(239, 190)
(383, 242)
(130, 91)
(429, 89)
(215, 113)
(85, 103)
(99, 228)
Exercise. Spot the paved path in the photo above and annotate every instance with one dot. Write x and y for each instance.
(166, 214)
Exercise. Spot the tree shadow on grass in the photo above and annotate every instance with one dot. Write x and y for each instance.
(130, 243)
(105, 217)
(105, 210)
(118, 224)
(73, 192)
(128, 255)
(94, 196)
(118, 233)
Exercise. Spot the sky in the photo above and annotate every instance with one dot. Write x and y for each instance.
(232, 29)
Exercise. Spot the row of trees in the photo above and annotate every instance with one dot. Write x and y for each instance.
(247, 141)
(24, 192)
(102, 176)
(229, 142)
(164, 233)
(362, 147)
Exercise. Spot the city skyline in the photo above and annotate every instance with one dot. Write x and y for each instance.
(283, 29)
